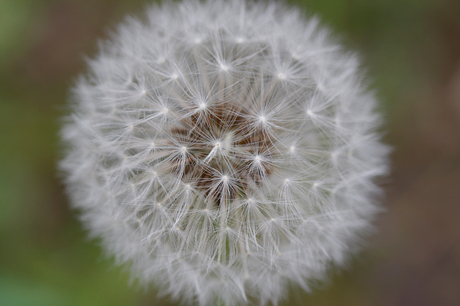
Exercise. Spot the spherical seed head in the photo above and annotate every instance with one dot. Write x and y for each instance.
(224, 150)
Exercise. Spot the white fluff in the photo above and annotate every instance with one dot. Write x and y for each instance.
(224, 150)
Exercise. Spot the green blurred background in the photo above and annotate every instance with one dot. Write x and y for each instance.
(412, 51)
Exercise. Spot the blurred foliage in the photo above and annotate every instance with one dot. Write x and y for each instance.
(411, 49)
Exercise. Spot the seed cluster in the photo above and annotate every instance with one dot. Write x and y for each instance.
(224, 149)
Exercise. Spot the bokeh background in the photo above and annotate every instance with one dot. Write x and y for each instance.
(411, 49)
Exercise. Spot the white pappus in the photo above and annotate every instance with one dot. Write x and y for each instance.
(224, 150)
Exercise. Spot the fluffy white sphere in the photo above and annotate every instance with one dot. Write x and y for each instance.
(224, 149)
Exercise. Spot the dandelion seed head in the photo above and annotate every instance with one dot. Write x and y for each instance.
(205, 149)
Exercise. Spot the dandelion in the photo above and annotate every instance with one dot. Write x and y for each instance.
(224, 150)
